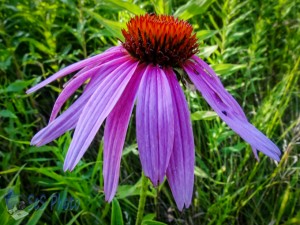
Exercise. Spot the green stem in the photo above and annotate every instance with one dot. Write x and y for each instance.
(143, 195)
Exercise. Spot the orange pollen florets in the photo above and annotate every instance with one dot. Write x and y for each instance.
(160, 39)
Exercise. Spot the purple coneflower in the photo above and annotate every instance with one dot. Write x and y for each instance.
(142, 69)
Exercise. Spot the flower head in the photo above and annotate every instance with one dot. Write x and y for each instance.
(142, 70)
(161, 40)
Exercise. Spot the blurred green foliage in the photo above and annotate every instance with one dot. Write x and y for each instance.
(253, 45)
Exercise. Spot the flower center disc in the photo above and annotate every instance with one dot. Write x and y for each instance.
(160, 39)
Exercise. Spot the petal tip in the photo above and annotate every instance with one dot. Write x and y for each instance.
(180, 208)
(109, 197)
(32, 143)
(32, 89)
(66, 166)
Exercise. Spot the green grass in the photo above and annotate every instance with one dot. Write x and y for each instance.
(255, 48)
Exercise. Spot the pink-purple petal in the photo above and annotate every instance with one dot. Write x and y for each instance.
(214, 82)
(76, 82)
(115, 133)
(96, 110)
(68, 119)
(79, 73)
(180, 172)
(155, 123)
(100, 58)
(227, 110)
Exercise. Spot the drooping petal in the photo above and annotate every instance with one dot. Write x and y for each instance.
(155, 123)
(115, 133)
(96, 110)
(68, 119)
(180, 172)
(228, 112)
(100, 58)
(214, 82)
(72, 86)
(79, 73)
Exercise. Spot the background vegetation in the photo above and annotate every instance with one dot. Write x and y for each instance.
(253, 45)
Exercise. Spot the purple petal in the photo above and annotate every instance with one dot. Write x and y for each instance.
(213, 81)
(68, 119)
(155, 123)
(180, 172)
(96, 110)
(75, 83)
(227, 110)
(115, 133)
(79, 73)
(100, 58)
(63, 123)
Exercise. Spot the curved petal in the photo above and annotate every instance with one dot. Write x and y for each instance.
(96, 110)
(75, 83)
(214, 82)
(180, 172)
(115, 133)
(155, 123)
(228, 112)
(79, 73)
(66, 121)
(100, 58)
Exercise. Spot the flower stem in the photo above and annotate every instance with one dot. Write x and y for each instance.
(143, 195)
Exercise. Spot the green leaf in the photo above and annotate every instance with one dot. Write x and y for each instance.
(5, 59)
(116, 215)
(74, 218)
(152, 222)
(162, 6)
(42, 47)
(7, 114)
(127, 190)
(236, 148)
(149, 216)
(149, 220)
(133, 8)
(207, 51)
(227, 68)
(18, 85)
(192, 8)
(113, 27)
(199, 172)
(131, 148)
(203, 115)
(204, 34)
